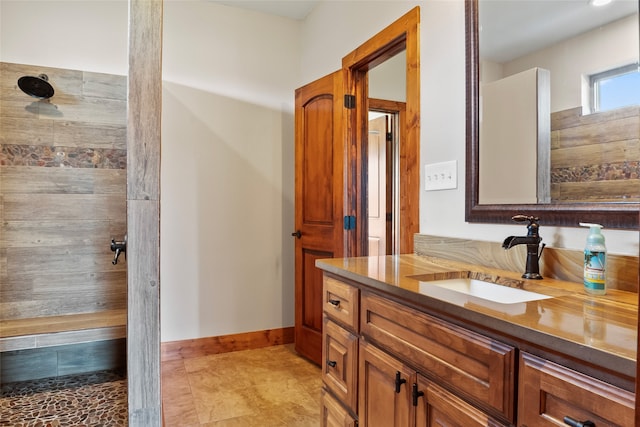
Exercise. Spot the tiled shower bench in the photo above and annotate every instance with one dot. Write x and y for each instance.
(53, 346)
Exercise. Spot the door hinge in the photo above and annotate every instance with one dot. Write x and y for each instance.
(350, 102)
(349, 222)
(389, 137)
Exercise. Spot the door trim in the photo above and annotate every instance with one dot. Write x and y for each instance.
(403, 34)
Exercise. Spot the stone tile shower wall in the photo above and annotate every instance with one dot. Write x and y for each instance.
(595, 157)
(62, 193)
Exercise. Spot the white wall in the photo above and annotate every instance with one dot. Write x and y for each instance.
(227, 170)
(389, 79)
(77, 35)
(335, 28)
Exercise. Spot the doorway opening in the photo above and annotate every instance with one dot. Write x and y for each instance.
(386, 121)
(398, 43)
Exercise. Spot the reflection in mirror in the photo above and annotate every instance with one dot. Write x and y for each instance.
(592, 152)
(553, 110)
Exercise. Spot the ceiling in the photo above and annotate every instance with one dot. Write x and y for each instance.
(294, 9)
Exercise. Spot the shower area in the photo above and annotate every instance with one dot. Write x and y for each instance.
(63, 296)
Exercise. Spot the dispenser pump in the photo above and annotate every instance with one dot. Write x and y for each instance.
(595, 236)
(595, 256)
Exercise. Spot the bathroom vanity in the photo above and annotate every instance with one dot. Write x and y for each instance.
(416, 340)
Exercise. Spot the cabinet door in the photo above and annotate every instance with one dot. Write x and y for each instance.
(333, 414)
(439, 407)
(340, 368)
(384, 390)
(549, 392)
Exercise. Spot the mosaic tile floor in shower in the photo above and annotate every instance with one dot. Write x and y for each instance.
(98, 400)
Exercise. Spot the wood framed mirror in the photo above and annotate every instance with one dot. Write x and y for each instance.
(612, 214)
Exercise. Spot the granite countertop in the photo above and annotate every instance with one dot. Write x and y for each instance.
(596, 330)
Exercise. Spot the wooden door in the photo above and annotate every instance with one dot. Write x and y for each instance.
(377, 186)
(384, 389)
(319, 201)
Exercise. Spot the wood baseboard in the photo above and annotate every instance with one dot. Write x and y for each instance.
(185, 349)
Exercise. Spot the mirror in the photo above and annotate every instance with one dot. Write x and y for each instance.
(553, 209)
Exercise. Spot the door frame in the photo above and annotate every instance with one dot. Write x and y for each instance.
(403, 34)
(399, 111)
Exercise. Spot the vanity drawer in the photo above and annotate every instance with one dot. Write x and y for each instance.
(340, 362)
(333, 414)
(549, 392)
(340, 302)
(476, 367)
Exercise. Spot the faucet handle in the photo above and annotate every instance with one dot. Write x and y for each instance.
(533, 225)
(525, 218)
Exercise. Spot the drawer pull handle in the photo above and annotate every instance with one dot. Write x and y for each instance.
(334, 302)
(415, 394)
(399, 381)
(575, 423)
(332, 363)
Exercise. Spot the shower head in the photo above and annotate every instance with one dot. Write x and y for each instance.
(36, 86)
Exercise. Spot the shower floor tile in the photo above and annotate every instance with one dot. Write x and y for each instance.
(97, 399)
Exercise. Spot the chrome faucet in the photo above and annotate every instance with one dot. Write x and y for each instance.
(532, 240)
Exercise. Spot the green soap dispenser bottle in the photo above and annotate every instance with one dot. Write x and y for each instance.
(595, 261)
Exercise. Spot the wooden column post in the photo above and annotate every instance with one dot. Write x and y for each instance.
(143, 211)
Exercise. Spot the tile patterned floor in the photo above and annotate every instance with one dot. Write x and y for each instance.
(94, 400)
(269, 387)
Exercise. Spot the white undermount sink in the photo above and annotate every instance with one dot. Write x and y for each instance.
(485, 290)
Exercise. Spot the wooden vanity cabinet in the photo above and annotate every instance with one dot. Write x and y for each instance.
(340, 358)
(385, 386)
(374, 351)
(339, 366)
(388, 364)
(477, 368)
(548, 392)
(391, 394)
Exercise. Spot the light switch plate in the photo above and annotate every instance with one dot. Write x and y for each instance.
(441, 176)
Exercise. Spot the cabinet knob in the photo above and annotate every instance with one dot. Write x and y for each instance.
(415, 394)
(399, 381)
(334, 302)
(332, 363)
(575, 423)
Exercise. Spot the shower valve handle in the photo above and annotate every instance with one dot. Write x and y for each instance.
(118, 248)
